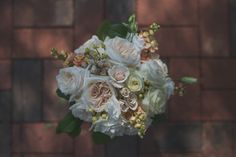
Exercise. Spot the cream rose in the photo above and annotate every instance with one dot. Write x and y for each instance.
(71, 80)
(122, 51)
(118, 75)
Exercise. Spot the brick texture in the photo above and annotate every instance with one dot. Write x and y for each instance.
(5, 73)
(43, 13)
(172, 137)
(5, 106)
(39, 138)
(54, 108)
(167, 12)
(84, 146)
(214, 31)
(27, 90)
(196, 38)
(218, 105)
(5, 142)
(117, 12)
(36, 43)
(86, 26)
(178, 41)
(172, 155)
(218, 73)
(217, 140)
(188, 107)
(123, 146)
(5, 29)
(40, 155)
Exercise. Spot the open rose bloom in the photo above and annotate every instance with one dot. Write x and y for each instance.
(115, 81)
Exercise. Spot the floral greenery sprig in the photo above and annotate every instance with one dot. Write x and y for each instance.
(115, 81)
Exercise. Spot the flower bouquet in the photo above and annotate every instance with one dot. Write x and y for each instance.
(115, 81)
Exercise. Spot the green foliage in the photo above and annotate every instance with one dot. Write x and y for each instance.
(69, 125)
(111, 30)
(159, 118)
(133, 24)
(188, 80)
(100, 138)
(62, 95)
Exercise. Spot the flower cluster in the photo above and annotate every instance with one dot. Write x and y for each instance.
(115, 80)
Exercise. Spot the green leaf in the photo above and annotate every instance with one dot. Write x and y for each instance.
(133, 24)
(119, 30)
(100, 138)
(69, 125)
(159, 118)
(103, 30)
(111, 30)
(62, 95)
(188, 80)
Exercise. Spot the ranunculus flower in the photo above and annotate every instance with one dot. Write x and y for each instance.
(122, 51)
(94, 41)
(118, 75)
(135, 82)
(71, 80)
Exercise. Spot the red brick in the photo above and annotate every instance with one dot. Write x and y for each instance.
(39, 138)
(40, 155)
(234, 139)
(218, 73)
(43, 13)
(214, 27)
(218, 105)
(5, 73)
(172, 137)
(217, 140)
(36, 43)
(89, 15)
(181, 41)
(54, 108)
(188, 107)
(171, 155)
(84, 146)
(167, 12)
(5, 29)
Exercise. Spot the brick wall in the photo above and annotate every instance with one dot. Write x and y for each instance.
(196, 38)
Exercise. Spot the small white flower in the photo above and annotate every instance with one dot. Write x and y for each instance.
(94, 41)
(122, 51)
(71, 80)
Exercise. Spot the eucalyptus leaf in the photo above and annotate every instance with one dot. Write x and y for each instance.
(188, 80)
(100, 138)
(62, 95)
(69, 125)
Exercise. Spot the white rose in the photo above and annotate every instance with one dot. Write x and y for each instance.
(136, 40)
(71, 80)
(122, 51)
(94, 41)
(154, 71)
(111, 127)
(154, 101)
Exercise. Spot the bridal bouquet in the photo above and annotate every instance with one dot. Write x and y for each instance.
(115, 81)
